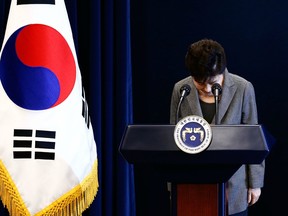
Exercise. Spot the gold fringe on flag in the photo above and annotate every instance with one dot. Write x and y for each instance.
(10, 195)
(72, 203)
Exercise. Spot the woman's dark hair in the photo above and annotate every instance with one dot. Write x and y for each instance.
(205, 59)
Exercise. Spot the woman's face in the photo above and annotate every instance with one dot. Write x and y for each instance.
(205, 89)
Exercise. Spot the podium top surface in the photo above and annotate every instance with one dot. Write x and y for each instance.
(232, 144)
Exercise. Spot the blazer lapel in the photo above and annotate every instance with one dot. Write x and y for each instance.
(228, 90)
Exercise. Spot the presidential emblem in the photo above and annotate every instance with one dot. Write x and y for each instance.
(193, 134)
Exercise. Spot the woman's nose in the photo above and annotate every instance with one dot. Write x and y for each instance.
(207, 88)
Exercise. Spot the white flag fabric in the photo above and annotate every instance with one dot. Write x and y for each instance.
(48, 155)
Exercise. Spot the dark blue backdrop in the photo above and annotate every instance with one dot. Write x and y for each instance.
(254, 35)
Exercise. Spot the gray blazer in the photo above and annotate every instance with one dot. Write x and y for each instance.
(237, 106)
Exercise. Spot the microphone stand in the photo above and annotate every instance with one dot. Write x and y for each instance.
(178, 108)
(217, 90)
(216, 109)
(185, 90)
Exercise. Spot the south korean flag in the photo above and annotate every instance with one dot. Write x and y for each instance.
(48, 157)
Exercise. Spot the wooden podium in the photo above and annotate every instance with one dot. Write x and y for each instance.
(198, 180)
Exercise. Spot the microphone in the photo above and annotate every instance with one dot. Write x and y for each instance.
(184, 90)
(217, 91)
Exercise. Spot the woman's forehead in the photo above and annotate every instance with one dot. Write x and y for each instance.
(211, 79)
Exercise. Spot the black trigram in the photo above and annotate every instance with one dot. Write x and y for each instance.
(21, 2)
(41, 147)
(85, 112)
